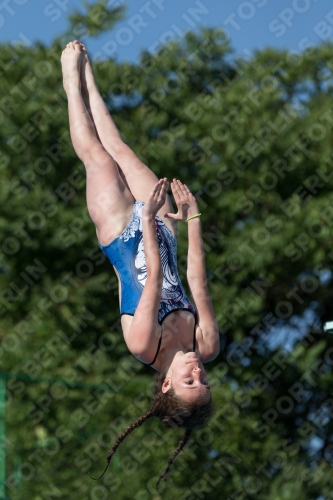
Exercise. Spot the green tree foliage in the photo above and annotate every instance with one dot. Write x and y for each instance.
(96, 18)
(252, 138)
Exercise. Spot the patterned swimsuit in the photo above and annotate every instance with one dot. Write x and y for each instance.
(126, 254)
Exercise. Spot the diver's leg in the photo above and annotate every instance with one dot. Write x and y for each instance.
(110, 203)
(139, 178)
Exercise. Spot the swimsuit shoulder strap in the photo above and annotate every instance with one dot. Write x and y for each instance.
(158, 350)
(195, 324)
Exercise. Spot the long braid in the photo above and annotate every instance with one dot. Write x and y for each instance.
(181, 445)
(174, 413)
(121, 438)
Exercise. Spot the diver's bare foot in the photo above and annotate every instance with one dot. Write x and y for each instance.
(88, 83)
(71, 64)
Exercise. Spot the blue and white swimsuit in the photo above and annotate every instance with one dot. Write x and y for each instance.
(126, 254)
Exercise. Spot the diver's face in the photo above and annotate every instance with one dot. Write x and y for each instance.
(188, 379)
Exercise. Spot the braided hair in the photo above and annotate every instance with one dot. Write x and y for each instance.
(174, 413)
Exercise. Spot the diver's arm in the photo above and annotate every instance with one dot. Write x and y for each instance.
(144, 333)
(197, 281)
(208, 338)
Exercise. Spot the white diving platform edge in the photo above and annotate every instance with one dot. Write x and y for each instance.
(328, 327)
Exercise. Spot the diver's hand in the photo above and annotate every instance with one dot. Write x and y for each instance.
(156, 198)
(185, 201)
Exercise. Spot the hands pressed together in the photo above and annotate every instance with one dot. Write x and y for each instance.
(185, 201)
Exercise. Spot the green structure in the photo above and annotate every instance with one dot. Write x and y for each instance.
(2, 436)
(3, 381)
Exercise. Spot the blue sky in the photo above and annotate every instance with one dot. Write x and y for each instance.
(292, 24)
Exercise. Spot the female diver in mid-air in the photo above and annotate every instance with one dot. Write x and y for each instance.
(136, 229)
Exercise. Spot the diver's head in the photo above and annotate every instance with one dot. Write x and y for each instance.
(188, 379)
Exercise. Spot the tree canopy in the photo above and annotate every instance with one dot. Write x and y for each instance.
(252, 139)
